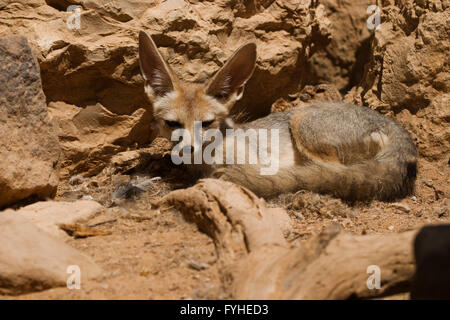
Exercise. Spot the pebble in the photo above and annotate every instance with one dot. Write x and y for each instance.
(401, 207)
(76, 179)
(197, 266)
(299, 215)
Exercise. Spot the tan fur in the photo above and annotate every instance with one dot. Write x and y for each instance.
(348, 151)
(327, 153)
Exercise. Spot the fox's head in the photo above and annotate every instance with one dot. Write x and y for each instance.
(178, 104)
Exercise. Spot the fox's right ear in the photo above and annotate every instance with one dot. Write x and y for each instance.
(158, 78)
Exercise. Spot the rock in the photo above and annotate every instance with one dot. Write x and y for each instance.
(31, 260)
(47, 215)
(399, 69)
(341, 63)
(99, 61)
(29, 148)
(407, 73)
(91, 136)
(298, 215)
(96, 65)
(309, 94)
(196, 265)
(401, 206)
(76, 180)
(130, 160)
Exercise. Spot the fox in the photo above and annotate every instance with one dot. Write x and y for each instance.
(347, 151)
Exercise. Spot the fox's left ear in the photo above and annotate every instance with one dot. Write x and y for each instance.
(230, 80)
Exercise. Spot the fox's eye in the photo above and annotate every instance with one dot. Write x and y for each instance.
(220, 96)
(207, 123)
(173, 124)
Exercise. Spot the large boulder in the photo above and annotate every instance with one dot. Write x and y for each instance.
(48, 215)
(29, 147)
(342, 61)
(31, 260)
(91, 136)
(95, 62)
(408, 74)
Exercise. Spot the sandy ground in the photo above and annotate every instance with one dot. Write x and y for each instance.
(153, 254)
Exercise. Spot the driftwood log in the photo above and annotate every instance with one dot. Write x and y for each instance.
(256, 261)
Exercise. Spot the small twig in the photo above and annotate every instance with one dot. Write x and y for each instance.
(101, 222)
(137, 218)
(166, 208)
(299, 235)
(155, 194)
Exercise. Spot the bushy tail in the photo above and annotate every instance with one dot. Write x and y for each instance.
(389, 176)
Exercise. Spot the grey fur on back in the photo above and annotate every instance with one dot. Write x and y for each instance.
(365, 171)
(348, 151)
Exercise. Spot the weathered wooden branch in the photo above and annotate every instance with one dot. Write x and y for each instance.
(257, 263)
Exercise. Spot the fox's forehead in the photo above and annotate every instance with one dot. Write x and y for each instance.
(188, 102)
